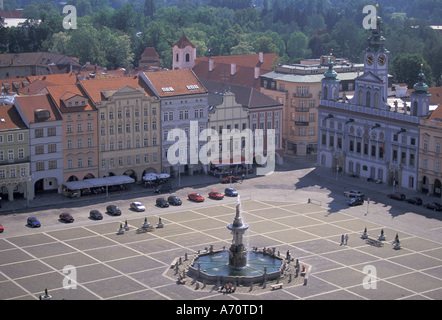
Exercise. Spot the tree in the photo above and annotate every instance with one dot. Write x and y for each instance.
(406, 67)
(265, 45)
(297, 46)
(149, 8)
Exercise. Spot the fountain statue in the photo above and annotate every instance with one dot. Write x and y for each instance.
(237, 251)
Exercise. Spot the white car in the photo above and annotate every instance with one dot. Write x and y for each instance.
(137, 206)
(353, 194)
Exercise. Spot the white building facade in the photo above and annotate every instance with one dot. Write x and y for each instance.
(365, 135)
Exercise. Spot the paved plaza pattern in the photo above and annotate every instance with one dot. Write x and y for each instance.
(134, 265)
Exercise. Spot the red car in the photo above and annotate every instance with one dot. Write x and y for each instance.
(195, 197)
(216, 195)
(230, 179)
(1, 228)
(66, 217)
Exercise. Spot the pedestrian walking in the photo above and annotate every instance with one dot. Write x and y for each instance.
(346, 239)
(342, 240)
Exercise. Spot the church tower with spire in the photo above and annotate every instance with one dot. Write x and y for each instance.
(184, 54)
(420, 97)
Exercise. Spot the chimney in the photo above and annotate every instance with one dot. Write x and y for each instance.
(261, 57)
(211, 64)
(257, 72)
(232, 69)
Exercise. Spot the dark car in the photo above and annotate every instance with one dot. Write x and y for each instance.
(231, 192)
(414, 200)
(113, 210)
(436, 206)
(396, 196)
(167, 187)
(174, 200)
(66, 217)
(161, 202)
(355, 202)
(33, 222)
(95, 214)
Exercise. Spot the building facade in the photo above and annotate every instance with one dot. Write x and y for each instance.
(298, 88)
(44, 121)
(184, 103)
(368, 135)
(128, 127)
(80, 135)
(15, 173)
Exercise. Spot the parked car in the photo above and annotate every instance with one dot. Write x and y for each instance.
(396, 196)
(355, 202)
(231, 192)
(33, 222)
(1, 228)
(414, 200)
(230, 179)
(95, 214)
(216, 195)
(195, 197)
(436, 206)
(167, 187)
(66, 217)
(113, 210)
(137, 206)
(161, 202)
(174, 200)
(353, 194)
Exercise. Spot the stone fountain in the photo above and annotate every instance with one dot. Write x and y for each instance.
(237, 264)
(237, 251)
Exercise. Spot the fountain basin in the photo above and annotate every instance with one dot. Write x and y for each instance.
(214, 267)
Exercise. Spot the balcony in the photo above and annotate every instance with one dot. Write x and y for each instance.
(300, 109)
(301, 123)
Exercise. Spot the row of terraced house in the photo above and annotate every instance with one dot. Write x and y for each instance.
(64, 127)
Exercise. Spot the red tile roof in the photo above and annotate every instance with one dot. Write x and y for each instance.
(183, 42)
(94, 87)
(175, 82)
(67, 91)
(245, 68)
(10, 119)
(29, 104)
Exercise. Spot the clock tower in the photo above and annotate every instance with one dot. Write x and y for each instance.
(376, 56)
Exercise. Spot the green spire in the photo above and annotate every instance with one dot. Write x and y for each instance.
(421, 86)
(330, 74)
(376, 42)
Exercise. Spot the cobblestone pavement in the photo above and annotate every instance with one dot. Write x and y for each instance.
(136, 265)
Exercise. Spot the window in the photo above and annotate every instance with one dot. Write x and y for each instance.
(438, 147)
(40, 166)
(40, 149)
(39, 132)
(69, 144)
(425, 144)
(89, 142)
(111, 130)
(21, 153)
(90, 162)
(52, 164)
(80, 162)
(89, 126)
(79, 143)
(12, 173)
(52, 148)
(128, 128)
(111, 114)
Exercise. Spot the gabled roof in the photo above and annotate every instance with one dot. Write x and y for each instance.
(245, 96)
(183, 42)
(175, 83)
(34, 58)
(10, 118)
(58, 93)
(29, 104)
(149, 52)
(245, 68)
(95, 87)
(370, 76)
